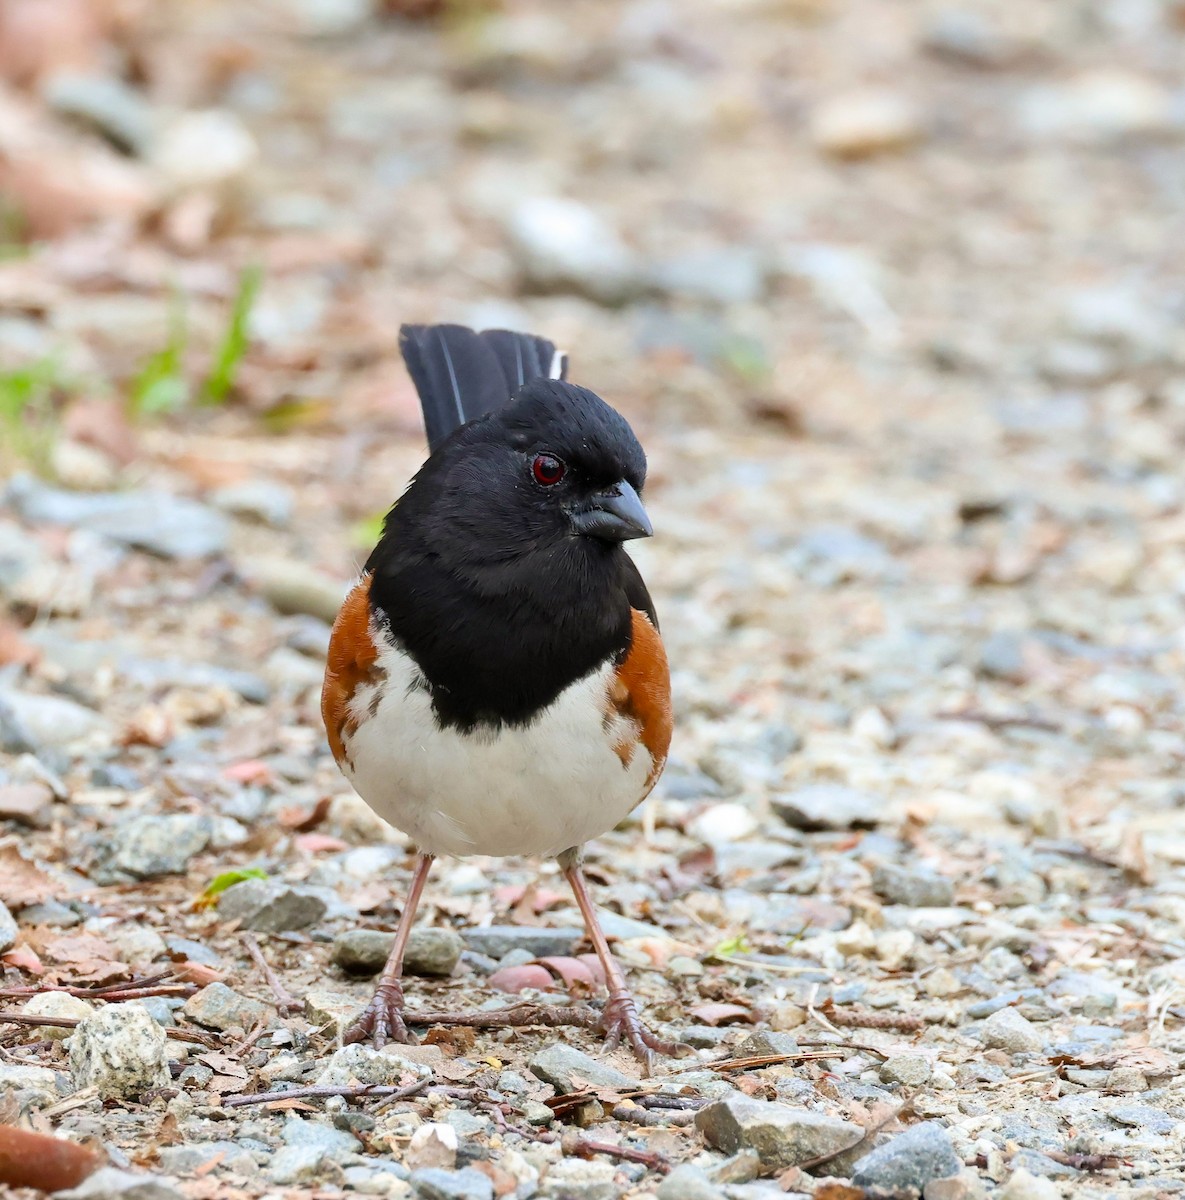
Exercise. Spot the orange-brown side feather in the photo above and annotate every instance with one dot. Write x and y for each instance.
(641, 693)
(351, 662)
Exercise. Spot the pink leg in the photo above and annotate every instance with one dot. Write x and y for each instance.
(620, 1018)
(382, 1019)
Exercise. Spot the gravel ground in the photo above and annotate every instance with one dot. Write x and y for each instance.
(893, 293)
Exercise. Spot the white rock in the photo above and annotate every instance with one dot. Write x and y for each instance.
(8, 929)
(120, 1050)
(861, 124)
(57, 1004)
(723, 823)
(564, 244)
(1098, 106)
(1008, 1030)
(200, 149)
(51, 720)
(330, 18)
(432, 1145)
(110, 1183)
(357, 1063)
(1023, 1186)
(40, 1080)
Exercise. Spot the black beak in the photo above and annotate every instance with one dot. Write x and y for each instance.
(614, 514)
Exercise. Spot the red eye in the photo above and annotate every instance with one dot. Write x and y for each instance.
(547, 469)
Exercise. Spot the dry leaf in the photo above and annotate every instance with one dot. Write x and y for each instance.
(721, 1014)
(23, 882)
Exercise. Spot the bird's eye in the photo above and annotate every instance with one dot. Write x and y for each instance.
(547, 469)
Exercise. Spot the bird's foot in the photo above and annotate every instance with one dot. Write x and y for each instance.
(382, 1019)
(620, 1022)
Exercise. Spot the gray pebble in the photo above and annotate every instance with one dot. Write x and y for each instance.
(119, 1050)
(432, 1183)
(498, 940)
(270, 906)
(430, 951)
(906, 1070)
(910, 1160)
(218, 1007)
(110, 1183)
(561, 1065)
(782, 1136)
(916, 888)
(828, 806)
(688, 1182)
(8, 929)
(146, 846)
(1007, 1030)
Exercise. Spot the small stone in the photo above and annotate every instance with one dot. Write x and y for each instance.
(188, 1159)
(297, 1164)
(967, 35)
(202, 148)
(110, 1183)
(822, 806)
(765, 1042)
(331, 18)
(432, 1145)
(38, 1080)
(782, 1136)
(433, 951)
(684, 967)
(906, 1070)
(562, 1065)
(120, 1050)
(328, 1140)
(270, 906)
(1023, 1186)
(1143, 1116)
(358, 1063)
(964, 1186)
(469, 1184)
(8, 929)
(37, 721)
(1007, 1030)
(562, 244)
(56, 1004)
(105, 103)
(149, 846)
(865, 123)
(742, 1167)
(158, 522)
(1127, 1079)
(917, 888)
(260, 499)
(910, 1160)
(688, 1182)
(498, 940)
(1098, 107)
(28, 804)
(293, 587)
(334, 1012)
(580, 1179)
(218, 1007)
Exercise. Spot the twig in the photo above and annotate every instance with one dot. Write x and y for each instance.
(585, 1148)
(133, 989)
(70, 1023)
(1088, 1162)
(996, 721)
(863, 1019)
(356, 1091)
(180, 1035)
(637, 1115)
(249, 1041)
(754, 1061)
(515, 1016)
(287, 1004)
(773, 968)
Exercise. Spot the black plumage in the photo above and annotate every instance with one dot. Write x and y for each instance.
(461, 375)
(479, 574)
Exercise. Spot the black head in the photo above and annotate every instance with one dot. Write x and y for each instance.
(501, 569)
(557, 467)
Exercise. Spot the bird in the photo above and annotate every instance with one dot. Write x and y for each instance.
(496, 681)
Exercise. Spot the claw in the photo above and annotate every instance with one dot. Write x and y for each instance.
(620, 1022)
(381, 1020)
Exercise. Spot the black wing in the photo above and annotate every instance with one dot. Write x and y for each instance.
(461, 375)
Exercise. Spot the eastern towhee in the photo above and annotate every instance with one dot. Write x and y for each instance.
(496, 683)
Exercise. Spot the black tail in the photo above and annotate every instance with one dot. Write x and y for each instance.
(461, 375)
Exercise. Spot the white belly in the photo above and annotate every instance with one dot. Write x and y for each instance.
(537, 790)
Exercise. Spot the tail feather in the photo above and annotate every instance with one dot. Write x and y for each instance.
(461, 375)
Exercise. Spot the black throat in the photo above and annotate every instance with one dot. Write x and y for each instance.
(497, 643)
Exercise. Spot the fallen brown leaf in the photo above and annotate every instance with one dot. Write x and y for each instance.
(721, 1014)
(23, 882)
